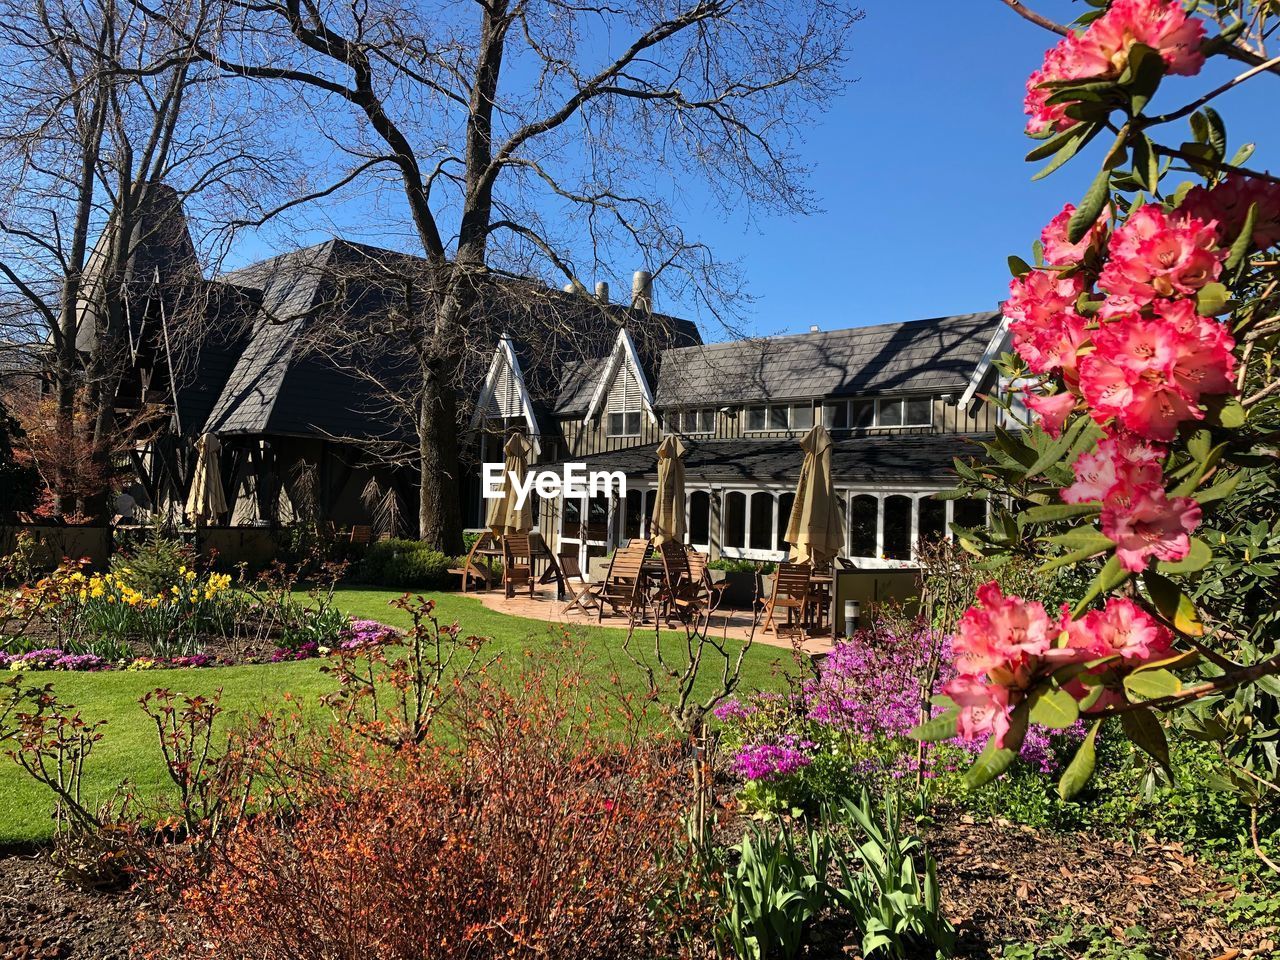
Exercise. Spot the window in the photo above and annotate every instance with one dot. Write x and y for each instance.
(735, 520)
(785, 503)
(865, 413)
(864, 513)
(624, 405)
(761, 521)
(932, 521)
(700, 518)
(897, 527)
(969, 513)
(692, 421)
(632, 514)
(780, 417)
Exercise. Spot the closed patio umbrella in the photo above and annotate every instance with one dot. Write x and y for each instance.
(816, 528)
(504, 518)
(668, 511)
(206, 502)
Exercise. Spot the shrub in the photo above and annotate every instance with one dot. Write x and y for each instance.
(406, 563)
(534, 834)
(154, 564)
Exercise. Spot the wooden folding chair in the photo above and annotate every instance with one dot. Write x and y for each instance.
(683, 596)
(623, 587)
(585, 596)
(361, 534)
(699, 573)
(517, 564)
(471, 570)
(790, 593)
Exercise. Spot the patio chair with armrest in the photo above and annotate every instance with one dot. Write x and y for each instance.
(623, 586)
(790, 593)
(517, 564)
(683, 596)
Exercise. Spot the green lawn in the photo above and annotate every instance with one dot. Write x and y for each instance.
(129, 751)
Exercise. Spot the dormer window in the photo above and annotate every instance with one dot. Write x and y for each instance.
(780, 417)
(624, 406)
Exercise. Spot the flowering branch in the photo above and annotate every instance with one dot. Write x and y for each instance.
(1039, 20)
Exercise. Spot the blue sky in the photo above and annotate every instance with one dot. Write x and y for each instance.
(920, 187)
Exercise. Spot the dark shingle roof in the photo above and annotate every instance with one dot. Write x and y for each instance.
(853, 459)
(916, 356)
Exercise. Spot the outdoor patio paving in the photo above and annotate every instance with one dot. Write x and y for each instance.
(733, 624)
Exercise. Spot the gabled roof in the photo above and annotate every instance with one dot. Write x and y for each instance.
(624, 356)
(935, 355)
(504, 358)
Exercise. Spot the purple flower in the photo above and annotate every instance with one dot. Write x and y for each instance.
(772, 761)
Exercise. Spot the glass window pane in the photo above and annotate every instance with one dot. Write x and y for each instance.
(969, 513)
(633, 424)
(707, 420)
(761, 521)
(890, 413)
(735, 519)
(897, 527)
(920, 411)
(777, 418)
(802, 417)
(785, 503)
(755, 418)
(598, 518)
(862, 414)
(700, 517)
(862, 526)
(631, 516)
(933, 520)
(572, 517)
(616, 424)
(835, 415)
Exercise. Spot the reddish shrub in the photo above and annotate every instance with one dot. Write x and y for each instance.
(528, 825)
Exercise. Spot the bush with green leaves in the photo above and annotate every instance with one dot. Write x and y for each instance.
(1145, 329)
(407, 563)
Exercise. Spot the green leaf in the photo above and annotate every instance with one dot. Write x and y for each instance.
(1174, 605)
(1054, 450)
(1217, 130)
(1063, 149)
(1118, 152)
(1080, 769)
(1053, 707)
(1240, 249)
(994, 760)
(941, 727)
(1142, 75)
(1233, 414)
(1143, 727)
(1197, 559)
(1221, 489)
(1212, 299)
(1060, 511)
(1086, 215)
(1109, 577)
(1018, 267)
(1082, 543)
(1151, 684)
(1243, 154)
(1146, 163)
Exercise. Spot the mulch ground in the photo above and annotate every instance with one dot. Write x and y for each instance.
(1000, 884)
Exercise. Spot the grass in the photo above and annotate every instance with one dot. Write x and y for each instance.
(129, 750)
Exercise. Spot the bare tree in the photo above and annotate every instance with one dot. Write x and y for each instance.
(525, 135)
(110, 127)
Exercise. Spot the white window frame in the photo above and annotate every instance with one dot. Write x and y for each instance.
(768, 409)
(625, 414)
(915, 494)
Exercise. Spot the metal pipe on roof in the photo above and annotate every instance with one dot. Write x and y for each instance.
(642, 290)
(602, 291)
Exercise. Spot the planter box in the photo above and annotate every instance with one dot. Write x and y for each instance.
(598, 568)
(740, 593)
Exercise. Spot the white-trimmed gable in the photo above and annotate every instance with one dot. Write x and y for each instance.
(504, 393)
(623, 386)
(998, 344)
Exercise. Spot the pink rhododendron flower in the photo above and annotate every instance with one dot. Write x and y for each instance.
(1121, 628)
(1102, 51)
(1150, 524)
(1155, 254)
(1114, 470)
(1149, 374)
(1000, 637)
(984, 708)
(1047, 330)
(1052, 410)
(1058, 250)
(1228, 204)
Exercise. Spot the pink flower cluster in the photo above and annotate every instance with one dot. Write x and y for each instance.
(1102, 51)
(1136, 354)
(1227, 204)
(1005, 645)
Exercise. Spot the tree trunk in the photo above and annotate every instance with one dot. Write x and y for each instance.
(440, 477)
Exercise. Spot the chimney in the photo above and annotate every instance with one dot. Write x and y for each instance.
(642, 290)
(602, 291)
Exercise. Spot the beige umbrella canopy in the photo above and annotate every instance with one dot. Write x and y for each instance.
(816, 528)
(206, 502)
(504, 517)
(668, 511)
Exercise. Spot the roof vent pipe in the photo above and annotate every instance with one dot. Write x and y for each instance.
(602, 291)
(813, 328)
(642, 290)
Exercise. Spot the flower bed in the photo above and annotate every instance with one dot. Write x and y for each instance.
(850, 726)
